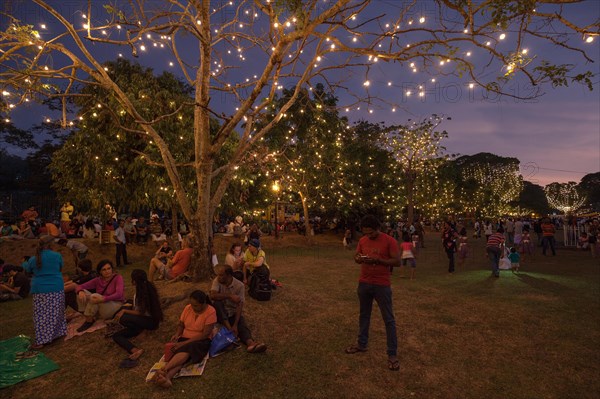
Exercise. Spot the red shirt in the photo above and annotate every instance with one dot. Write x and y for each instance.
(181, 262)
(383, 247)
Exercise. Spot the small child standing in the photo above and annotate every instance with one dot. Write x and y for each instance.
(463, 247)
(514, 259)
(408, 256)
(347, 241)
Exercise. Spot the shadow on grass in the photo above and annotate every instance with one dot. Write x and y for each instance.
(544, 284)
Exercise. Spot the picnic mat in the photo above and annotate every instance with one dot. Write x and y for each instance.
(76, 322)
(14, 369)
(191, 370)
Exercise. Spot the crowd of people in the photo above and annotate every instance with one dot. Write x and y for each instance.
(100, 294)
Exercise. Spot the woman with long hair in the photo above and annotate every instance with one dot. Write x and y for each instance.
(192, 338)
(145, 315)
(234, 258)
(47, 288)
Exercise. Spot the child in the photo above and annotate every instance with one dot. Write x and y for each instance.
(463, 248)
(347, 239)
(526, 245)
(583, 241)
(415, 242)
(514, 259)
(408, 256)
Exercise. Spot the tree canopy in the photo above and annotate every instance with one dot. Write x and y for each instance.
(245, 52)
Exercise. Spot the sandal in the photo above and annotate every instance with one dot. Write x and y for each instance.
(128, 363)
(393, 365)
(352, 349)
(258, 348)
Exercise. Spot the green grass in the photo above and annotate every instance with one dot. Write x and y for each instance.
(469, 335)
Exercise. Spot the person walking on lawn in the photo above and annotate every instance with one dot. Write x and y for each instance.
(376, 253)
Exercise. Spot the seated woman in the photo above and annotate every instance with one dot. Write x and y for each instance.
(145, 315)
(235, 260)
(25, 230)
(107, 299)
(89, 230)
(192, 338)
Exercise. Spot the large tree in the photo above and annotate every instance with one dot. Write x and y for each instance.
(489, 184)
(298, 42)
(565, 197)
(418, 152)
(590, 187)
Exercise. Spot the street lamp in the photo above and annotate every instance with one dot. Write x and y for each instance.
(275, 187)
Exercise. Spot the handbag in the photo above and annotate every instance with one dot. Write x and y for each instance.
(222, 340)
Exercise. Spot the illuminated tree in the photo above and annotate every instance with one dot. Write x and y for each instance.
(565, 197)
(590, 187)
(417, 151)
(490, 184)
(243, 52)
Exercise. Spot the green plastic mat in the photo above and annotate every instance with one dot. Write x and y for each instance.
(13, 369)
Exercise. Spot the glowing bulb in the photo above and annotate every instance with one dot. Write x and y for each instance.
(422, 20)
(524, 51)
(589, 39)
(502, 36)
(367, 83)
(43, 26)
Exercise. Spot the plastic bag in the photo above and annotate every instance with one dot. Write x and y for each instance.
(222, 339)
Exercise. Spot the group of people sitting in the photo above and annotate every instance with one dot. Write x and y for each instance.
(100, 295)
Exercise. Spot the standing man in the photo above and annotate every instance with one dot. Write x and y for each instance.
(376, 253)
(510, 231)
(121, 242)
(65, 217)
(548, 231)
(494, 246)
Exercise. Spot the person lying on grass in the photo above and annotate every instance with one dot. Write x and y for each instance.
(227, 295)
(108, 297)
(145, 315)
(192, 338)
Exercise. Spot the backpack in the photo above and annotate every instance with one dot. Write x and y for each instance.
(260, 285)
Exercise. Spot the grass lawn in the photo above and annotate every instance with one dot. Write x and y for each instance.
(535, 334)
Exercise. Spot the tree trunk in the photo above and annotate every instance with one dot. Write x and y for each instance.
(307, 226)
(201, 227)
(410, 208)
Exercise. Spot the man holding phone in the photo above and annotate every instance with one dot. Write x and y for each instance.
(376, 253)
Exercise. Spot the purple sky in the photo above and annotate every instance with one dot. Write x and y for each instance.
(556, 137)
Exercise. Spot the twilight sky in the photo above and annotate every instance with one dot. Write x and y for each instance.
(556, 136)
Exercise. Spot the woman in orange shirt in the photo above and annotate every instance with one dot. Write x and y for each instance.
(192, 338)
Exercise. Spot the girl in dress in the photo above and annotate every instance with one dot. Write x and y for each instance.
(526, 244)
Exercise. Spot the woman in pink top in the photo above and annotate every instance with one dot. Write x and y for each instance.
(107, 297)
(192, 338)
